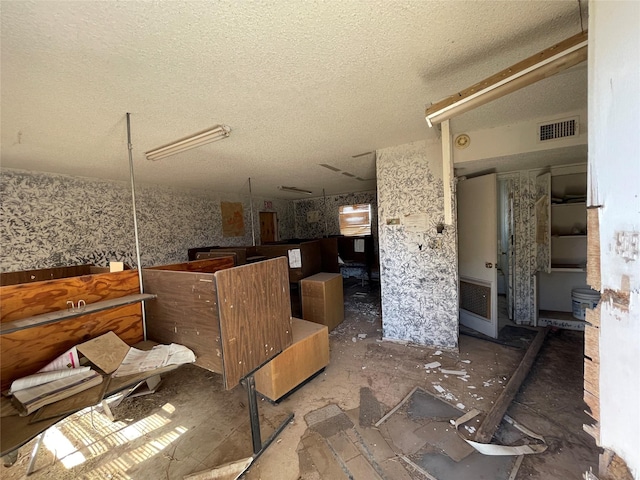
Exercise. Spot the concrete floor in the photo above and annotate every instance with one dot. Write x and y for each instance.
(190, 424)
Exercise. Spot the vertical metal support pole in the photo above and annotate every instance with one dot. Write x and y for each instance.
(324, 214)
(447, 173)
(254, 415)
(253, 228)
(135, 221)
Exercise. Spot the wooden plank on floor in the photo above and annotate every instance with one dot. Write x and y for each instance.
(490, 423)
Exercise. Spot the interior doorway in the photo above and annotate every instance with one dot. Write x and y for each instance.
(477, 253)
(268, 227)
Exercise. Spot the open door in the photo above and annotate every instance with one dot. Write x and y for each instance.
(478, 253)
(543, 235)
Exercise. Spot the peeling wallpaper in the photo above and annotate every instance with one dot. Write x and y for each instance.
(419, 287)
(316, 229)
(50, 220)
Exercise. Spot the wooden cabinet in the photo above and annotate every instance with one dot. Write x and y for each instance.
(322, 299)
(308, 354)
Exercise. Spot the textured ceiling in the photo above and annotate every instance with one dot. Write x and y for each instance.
(299, 83)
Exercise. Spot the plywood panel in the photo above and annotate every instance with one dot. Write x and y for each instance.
(593, 248)
(255, 316)
(26, 351)
(593, 403)
(185, 312)
(592, 316)
(592, 343)
(591, 377)
(28, 276)
(210, 265)
(26, 300)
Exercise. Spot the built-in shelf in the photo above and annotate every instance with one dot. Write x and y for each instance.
(569, 236)
(53, 317)
(560, 320)
(568, 269)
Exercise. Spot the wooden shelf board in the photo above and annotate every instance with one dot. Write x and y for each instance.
(53, 317)
(567, 204)
(568, 269)
(558, 319)
(569, 236)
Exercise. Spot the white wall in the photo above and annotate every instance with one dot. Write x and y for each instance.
(516, 139)
(614, 184)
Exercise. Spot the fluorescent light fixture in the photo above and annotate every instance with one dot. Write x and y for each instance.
(192, 141)
(543, 64)
(294, 190)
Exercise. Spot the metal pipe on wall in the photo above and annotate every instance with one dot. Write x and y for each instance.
(135, 221)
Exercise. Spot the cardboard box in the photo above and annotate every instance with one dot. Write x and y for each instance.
(308, 354)
(322, 299)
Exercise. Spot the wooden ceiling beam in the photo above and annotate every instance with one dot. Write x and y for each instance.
(544, 64)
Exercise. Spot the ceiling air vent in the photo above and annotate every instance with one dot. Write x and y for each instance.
(560, 129)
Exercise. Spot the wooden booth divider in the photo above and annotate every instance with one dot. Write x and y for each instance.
(37, 324)
(235, 319)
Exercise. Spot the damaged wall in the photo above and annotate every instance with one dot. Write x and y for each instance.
(418, 271)
(50, 220)
(614, 189)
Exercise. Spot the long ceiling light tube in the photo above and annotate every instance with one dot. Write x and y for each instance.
(294, 190)
(192, 141)
(564, 55)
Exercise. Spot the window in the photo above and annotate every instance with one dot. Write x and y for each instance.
(355, 219)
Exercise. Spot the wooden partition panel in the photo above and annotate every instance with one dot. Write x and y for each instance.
(311, 258)
(210, 265)
(255, 316)
(29, 299)
(310, 255)
(329, 252)
(26, 351)
(214, 254)
(185, 312)
(241, 253)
